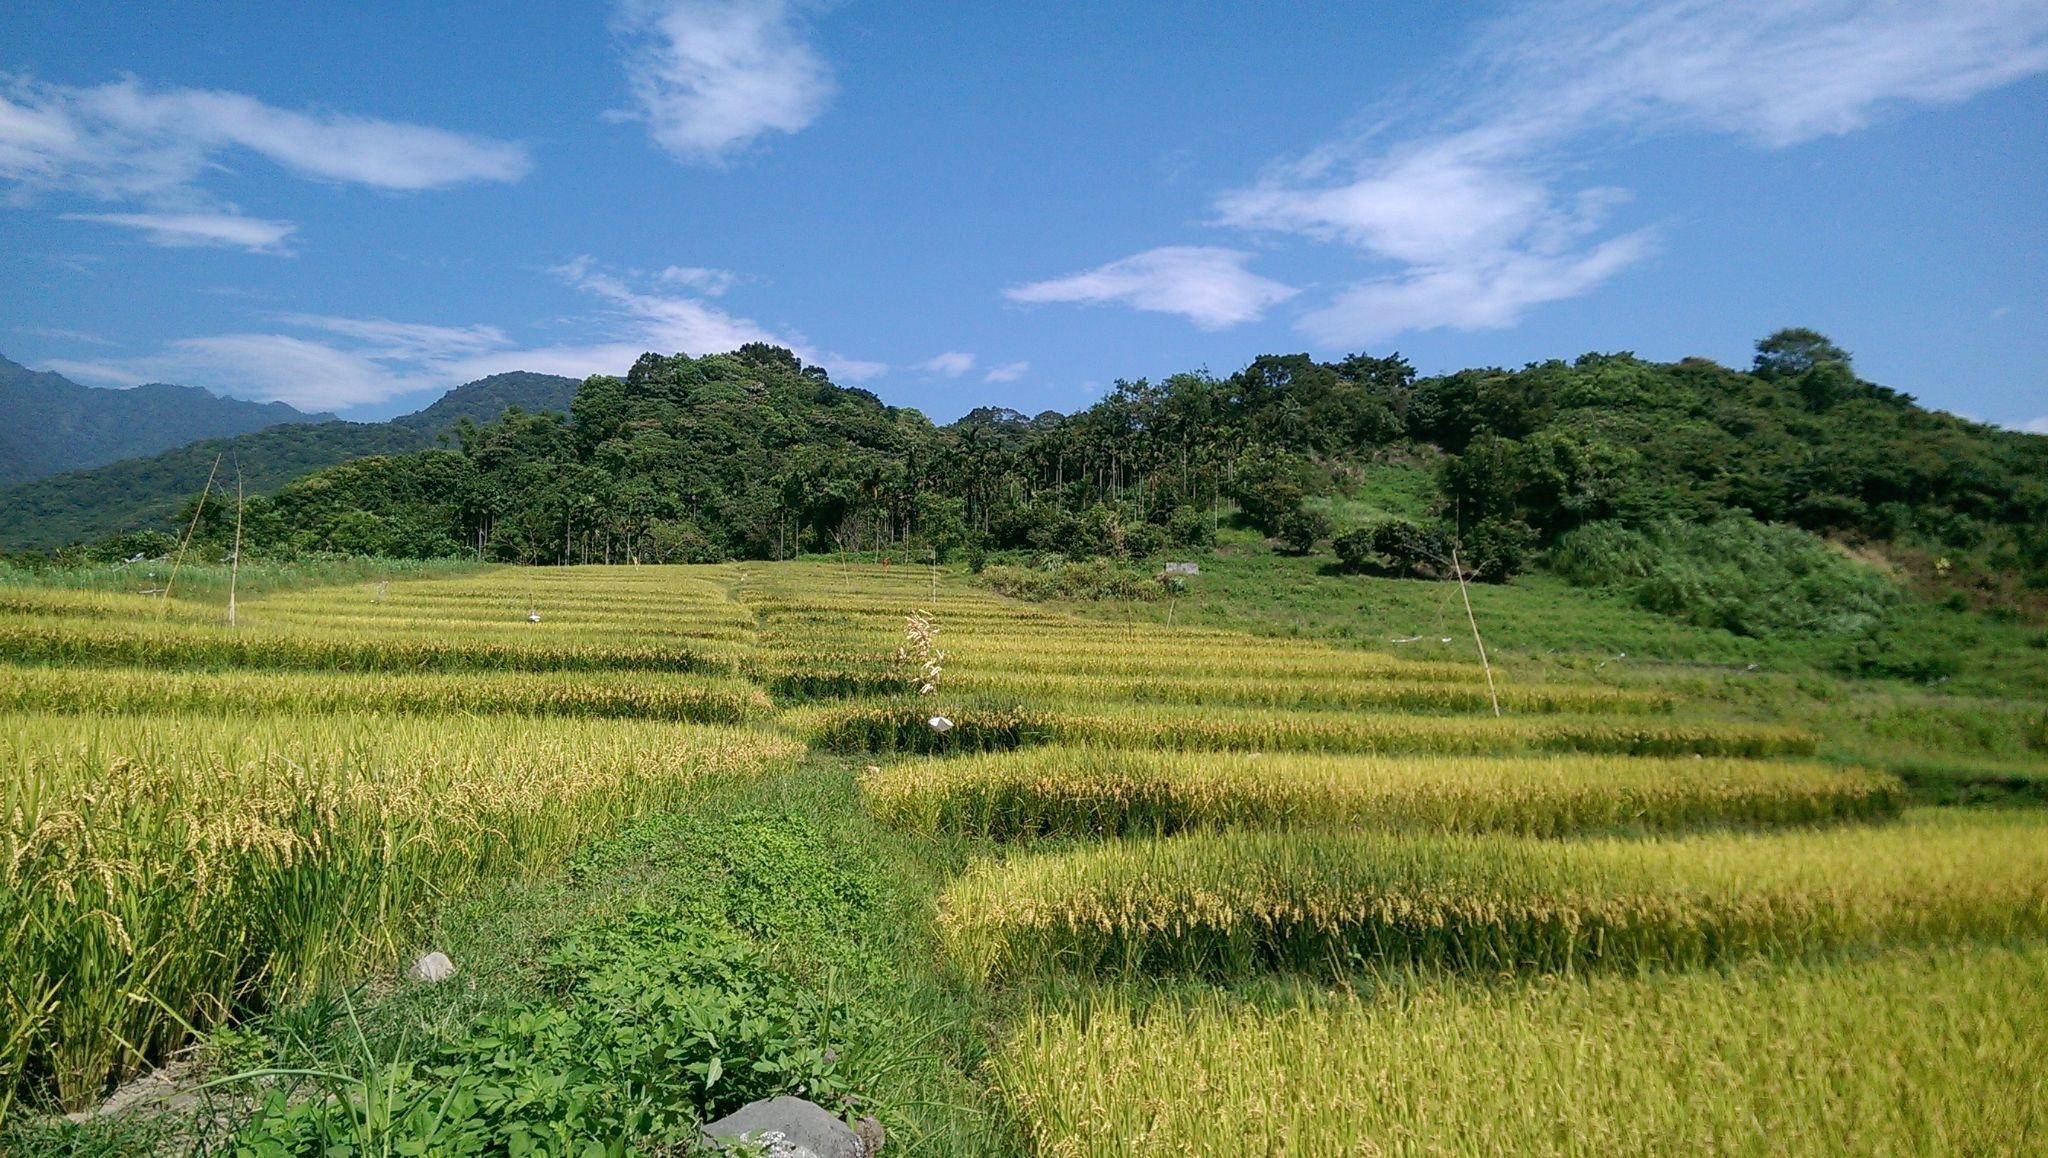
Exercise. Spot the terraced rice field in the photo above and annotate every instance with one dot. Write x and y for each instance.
(1096, 792)
(1906, 1052)
(1220, 894)
(1604, 923)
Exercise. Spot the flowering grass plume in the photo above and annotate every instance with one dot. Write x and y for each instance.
(920, 651)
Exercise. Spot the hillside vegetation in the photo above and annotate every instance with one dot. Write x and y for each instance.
(145, 493)
(755, 455)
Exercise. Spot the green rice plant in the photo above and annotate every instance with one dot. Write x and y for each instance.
(617, 695)
(1093, 792)
(904, 727)
(1907, 1053)
(1228, 904)
(157, 874)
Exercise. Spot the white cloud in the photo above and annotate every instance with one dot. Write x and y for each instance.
(124, 141)
(348, 362)
(2038, 425)
(1468, 215)
(952, 363)
(1207, 285)
(668, 322)
(713, 282)
(1007, 372)
(709, 76)
(406, 340)
(1473, 296)
(181, 229)
(1777, 71)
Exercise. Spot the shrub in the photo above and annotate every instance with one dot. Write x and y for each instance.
(1095, 579)
(1190, 527)
(1493, 551)
(1735, 573)
(1267, 488)
(1300, 530)
(1398, 548)
(1354, 549)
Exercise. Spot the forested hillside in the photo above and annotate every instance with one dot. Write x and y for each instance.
(50, 424)
(145, 493)
(1616, 470)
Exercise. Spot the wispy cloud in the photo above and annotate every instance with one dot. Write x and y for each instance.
(712, 282)
(1007, 372)
(2038, 425)
(1460, 202)
(126, 140)
(1468, 214)
(156, 147)
(335, 363)
(952, 363)
(64, 335)
(1209, 286)
(710, 76)
(408, 341)
(231, 230)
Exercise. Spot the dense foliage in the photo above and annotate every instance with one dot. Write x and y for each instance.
(754, 454)
(1733, 573)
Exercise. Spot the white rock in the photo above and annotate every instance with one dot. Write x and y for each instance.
(940, 724)
(432, 967)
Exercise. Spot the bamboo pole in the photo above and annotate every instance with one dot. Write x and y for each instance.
(189, 531)
(235, 561)
(1474, 621)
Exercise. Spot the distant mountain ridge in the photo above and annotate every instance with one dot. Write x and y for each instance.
(50, 424)
(146, 491)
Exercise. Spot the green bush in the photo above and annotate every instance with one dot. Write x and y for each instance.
(1190, 527)
(1494, 551)
(1301, 529)
(1735, 573)
(1397, 547)
(667, 1025)
(1096, 579)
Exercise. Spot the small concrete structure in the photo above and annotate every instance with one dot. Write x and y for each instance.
(1182, 569)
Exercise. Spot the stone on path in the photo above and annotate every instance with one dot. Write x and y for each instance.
(787, 1127)
(432, 967)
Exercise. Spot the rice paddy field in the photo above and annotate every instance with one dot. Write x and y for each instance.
(1138, 887)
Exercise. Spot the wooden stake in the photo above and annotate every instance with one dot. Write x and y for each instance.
(1474, 621)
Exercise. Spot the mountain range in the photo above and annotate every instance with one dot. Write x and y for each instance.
(86, 462)
(50, 424)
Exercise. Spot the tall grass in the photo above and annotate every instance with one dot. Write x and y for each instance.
(160, 873)
(1327, 902)
(1092, 792)
(1908, 1053)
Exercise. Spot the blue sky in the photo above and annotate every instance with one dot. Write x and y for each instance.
(353, 208)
